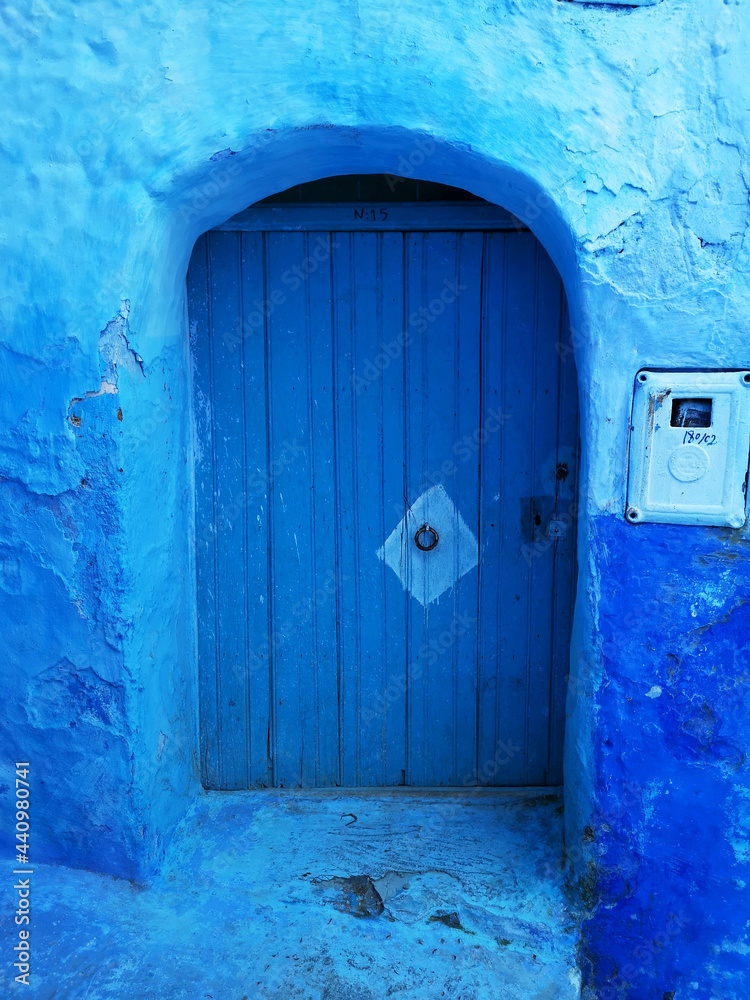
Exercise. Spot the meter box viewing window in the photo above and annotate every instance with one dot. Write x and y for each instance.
(689, 444)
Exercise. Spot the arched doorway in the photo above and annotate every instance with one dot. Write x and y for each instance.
(386, 479)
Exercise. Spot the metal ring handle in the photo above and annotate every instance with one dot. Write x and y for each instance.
(426, 530)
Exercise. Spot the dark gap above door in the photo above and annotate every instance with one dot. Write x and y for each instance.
(373, 202)
(369, 188)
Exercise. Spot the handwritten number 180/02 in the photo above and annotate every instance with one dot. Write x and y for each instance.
(698, 437)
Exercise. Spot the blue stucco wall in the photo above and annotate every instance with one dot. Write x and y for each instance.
(670, 828)
(619, 134)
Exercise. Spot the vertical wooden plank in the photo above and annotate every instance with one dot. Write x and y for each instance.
(198, 290)
(256, 509)
(440, 429)
(543, 419)
(378, 394)
(418, 651)
(368, 314)
(326, 583)
(442, 751)
(368, 401)
(390, 704)
(228, 419)
(472, 426)
(509, 476)
(348, 604)
(491, 757)
(291, 513)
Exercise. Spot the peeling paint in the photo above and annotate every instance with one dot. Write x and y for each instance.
(115, 350)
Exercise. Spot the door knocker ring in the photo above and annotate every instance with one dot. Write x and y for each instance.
(432, 536)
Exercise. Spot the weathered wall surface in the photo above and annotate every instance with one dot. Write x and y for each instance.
(619, 134)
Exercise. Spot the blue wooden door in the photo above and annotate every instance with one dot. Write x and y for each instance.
(386, 442)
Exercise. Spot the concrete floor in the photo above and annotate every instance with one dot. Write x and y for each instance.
(321, 896)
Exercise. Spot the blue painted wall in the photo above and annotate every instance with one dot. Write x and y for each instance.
(619, 135)
(671, 829)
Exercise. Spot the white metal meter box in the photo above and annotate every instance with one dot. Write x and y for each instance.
(689, 443)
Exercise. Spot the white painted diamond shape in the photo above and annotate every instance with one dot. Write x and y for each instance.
(427, 575)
